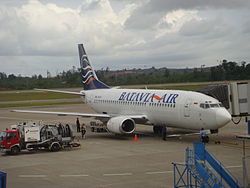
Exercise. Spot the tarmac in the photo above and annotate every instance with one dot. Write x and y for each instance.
(105, 160)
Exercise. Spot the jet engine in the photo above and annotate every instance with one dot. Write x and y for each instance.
(121, 125)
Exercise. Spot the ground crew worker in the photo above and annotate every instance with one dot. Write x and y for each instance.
(83, 130)
(204, 137)
(77, 125)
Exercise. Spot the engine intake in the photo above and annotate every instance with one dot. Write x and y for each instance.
(121, 125)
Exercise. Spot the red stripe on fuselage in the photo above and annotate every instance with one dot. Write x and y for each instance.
(157, 97)
(90, 80)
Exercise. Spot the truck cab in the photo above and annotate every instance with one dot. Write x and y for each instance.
(10, 141)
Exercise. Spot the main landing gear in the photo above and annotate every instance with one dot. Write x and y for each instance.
(160, 131)
(157, 130)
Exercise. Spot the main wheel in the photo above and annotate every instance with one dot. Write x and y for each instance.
(15, 150)
(55, 147)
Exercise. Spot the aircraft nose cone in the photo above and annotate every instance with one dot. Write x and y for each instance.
(222, 117)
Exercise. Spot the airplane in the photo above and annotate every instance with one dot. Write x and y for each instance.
(121, 109)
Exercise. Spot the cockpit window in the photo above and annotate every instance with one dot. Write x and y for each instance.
(214, 105)
(203, 105)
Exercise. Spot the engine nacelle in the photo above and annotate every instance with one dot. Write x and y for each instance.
(121, 125)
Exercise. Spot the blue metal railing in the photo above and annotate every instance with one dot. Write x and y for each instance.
(196, 173)
(209, 176)
(3, 180)
(222, 171)
(184, 177)
(202, 154)
(206, 177)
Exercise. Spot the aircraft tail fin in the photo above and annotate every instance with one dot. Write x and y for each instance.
(89, 78)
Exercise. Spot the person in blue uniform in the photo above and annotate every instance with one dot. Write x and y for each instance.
(203, 135)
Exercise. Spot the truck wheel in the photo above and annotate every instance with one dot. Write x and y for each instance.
(15, 150)
(55, 147)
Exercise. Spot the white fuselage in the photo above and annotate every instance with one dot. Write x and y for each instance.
(173, 108)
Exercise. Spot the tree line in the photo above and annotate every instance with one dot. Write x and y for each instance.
(70, 78)
(226, 70)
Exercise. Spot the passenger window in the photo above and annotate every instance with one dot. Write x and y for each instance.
(207, 106)
(202, 105)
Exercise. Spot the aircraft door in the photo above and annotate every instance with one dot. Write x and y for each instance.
(203, 117)
(89, 99)
(187, 109)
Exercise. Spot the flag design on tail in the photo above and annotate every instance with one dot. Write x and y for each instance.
(89, 78)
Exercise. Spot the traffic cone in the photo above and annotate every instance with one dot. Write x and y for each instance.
(135, 138)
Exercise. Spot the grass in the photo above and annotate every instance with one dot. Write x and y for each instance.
(50, 96)
(183, 87)
(34, 96)
(28, 96)
(35, 104)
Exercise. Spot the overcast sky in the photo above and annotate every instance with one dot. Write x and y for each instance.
(36, 36)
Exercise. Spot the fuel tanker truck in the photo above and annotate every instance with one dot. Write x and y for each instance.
(36, 136)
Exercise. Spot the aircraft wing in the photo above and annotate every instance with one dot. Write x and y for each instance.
(64, 113)
(137, 118)
(60, 91)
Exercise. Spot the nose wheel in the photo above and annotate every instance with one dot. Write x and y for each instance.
(205, 139)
